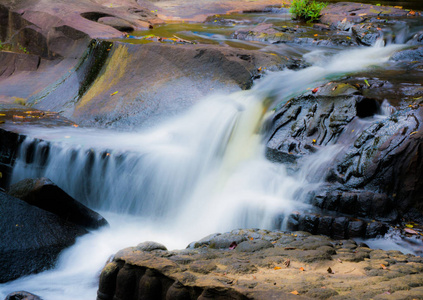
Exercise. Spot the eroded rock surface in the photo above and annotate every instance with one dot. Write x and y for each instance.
(266, 265)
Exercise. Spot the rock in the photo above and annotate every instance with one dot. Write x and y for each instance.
(353, 13)
(366, 35)
(116, 23)
(253, 246)
(266, 273)
(22, 295)
(361, 180)
(409, 55)
(225, 240)
(32, 238)
(146, 93)
(43, 193)
(417, 39)
(150, 246)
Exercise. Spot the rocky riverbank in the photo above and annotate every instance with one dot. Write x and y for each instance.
(75, 57)
(260, 264)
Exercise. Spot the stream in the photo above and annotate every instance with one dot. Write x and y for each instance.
(200, 172)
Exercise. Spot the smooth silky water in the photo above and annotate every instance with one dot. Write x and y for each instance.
(199, 173)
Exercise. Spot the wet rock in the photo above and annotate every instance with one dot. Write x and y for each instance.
(409, 55)
(366, 35)
(417, 39)
(375, 229)
(22, 295)
(32, 238)
(44, 194)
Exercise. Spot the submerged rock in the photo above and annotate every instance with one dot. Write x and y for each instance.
(294, 265)
(43, 193)
(31, 238)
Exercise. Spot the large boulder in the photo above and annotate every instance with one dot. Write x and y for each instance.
(43, 193)
(31, 238)
(376, 170)
(268, 265)
(133, 83)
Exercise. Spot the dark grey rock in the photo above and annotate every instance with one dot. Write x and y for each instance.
(43, 193)
(32, 238)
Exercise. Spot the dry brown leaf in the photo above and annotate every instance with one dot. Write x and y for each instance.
(409, 230)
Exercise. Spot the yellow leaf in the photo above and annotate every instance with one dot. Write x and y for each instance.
(112, 94)
(277, 268)
(2, 115)
(414, 132)
(295, 293)
(409, 225)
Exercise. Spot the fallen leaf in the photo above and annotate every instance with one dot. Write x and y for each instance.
(302, 269)
(315, 90)
(251, 238)
(295, 293)
(2, 115)
(414, 132)
(412, 231)
(277, 268)
(259, 69)
(112, 94)
(340, 261)
(383, 266)
(367, 83)
(409, 225)
(316, 34)
(330, 271)
(314, 141)
(289, 248)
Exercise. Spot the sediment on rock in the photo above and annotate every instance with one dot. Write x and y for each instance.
(262, 265)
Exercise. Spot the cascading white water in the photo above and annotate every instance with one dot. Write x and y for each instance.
(199, 173)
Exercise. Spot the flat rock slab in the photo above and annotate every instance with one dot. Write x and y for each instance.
(199, 10)
(264, 265)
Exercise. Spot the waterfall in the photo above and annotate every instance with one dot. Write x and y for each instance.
(199, 173)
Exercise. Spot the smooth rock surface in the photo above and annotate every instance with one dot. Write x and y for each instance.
(43, 193)
(31, 238)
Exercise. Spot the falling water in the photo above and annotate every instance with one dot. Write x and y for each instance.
(199, 173)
